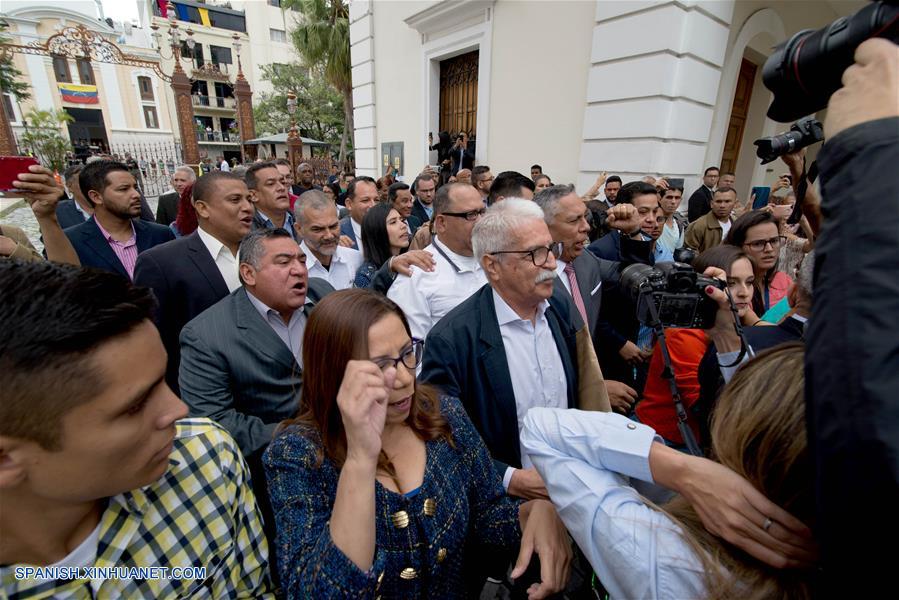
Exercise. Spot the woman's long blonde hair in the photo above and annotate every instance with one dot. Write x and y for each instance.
(758, 431)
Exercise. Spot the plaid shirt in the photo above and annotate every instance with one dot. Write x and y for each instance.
(201, 513)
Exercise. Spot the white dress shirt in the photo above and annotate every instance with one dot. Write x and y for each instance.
(357, 231)
(342, 271)
(535, 366)
(586, 460)
(725, 227)
(289, 333)
(426, 297)
(224, 260)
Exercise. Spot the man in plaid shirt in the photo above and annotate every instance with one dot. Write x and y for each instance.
(98, 467)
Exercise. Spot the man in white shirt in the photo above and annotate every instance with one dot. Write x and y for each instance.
(318, 228)
(426, 296)
(223, 165)
(507, 348)
(191, 273)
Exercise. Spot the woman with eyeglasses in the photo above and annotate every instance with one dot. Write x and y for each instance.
(384, 235)
(758, 235)
(380, 486)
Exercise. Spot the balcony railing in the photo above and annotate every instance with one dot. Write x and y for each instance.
(211, 70)
(218, 136)
(202, 100)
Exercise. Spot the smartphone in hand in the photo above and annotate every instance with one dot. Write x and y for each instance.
(762, 193)
(10, 167)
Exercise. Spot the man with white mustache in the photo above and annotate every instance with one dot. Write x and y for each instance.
(511, 346)
(318, 229)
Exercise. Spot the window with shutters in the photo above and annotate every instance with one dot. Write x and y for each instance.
(146, 88)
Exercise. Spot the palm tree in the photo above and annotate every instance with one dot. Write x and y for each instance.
(322, 38)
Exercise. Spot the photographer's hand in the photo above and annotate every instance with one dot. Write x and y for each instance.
(722, 333)
(870, 88)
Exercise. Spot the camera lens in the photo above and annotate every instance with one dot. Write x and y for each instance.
(633, 277)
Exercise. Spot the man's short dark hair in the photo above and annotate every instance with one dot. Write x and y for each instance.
(71, 171)
(538, 167)
(612, 179)
(731, 173)
(93, 176)
(250, 177)
(725, 188)
(394, 188)
(205, 185)
(478, 171)
(631, 190)
(351, 188)
(442, 201)
(508, 184)
(282, 161)
(706, 172)
(53, 317)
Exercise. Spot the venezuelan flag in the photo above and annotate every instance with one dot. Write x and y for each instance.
(78, 94)
(204, 16)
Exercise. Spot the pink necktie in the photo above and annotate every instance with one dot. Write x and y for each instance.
(576, 293)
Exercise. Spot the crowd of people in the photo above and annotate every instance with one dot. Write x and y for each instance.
(374, 388)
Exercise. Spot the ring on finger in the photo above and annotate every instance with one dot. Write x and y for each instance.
(767, 524)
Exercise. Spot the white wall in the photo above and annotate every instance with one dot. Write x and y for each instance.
(536, 100)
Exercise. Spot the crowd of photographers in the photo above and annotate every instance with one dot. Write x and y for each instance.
(469, 385)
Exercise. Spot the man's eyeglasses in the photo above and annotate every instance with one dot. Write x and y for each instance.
(410, 357)
(471, 215)
(539, 255)
(775, 242)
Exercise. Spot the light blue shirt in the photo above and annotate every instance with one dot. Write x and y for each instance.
(535, 366)
(289, 333)
(586, 460)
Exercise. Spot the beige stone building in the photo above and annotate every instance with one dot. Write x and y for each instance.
(116, 105)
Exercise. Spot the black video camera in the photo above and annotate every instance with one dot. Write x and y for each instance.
(805, 70)
(676, 290)
(804, 132)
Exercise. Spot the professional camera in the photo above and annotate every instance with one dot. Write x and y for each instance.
(676, 290)
(805, 70)
(804, 132)
(684, 255)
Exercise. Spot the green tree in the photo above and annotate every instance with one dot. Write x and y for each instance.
(44, 138)
(10, 77)
(322, 39)
(319, 112)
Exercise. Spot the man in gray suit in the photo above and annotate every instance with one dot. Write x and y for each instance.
(241, 359)
(581, 275)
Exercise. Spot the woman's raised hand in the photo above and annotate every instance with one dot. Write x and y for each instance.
(362, 400)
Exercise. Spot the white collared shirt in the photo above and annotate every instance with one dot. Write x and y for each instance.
(427, 296)
(289, 333)
(224, 260)
(342, 271)
(357, 231)
(535, 365)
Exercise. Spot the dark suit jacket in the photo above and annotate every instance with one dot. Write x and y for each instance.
(93, 250)
(414, 223)
(462, 159)
(699, 204)
(68, 215)
(346, 228)
(237, 371)
(419, 212)
(167, 208)
(185, 281)
(465, 357)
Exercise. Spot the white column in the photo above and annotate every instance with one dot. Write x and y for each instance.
(109, 81)
(651, 91)
(363, 68)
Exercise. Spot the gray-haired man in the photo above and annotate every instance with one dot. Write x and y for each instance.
(167, 208)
